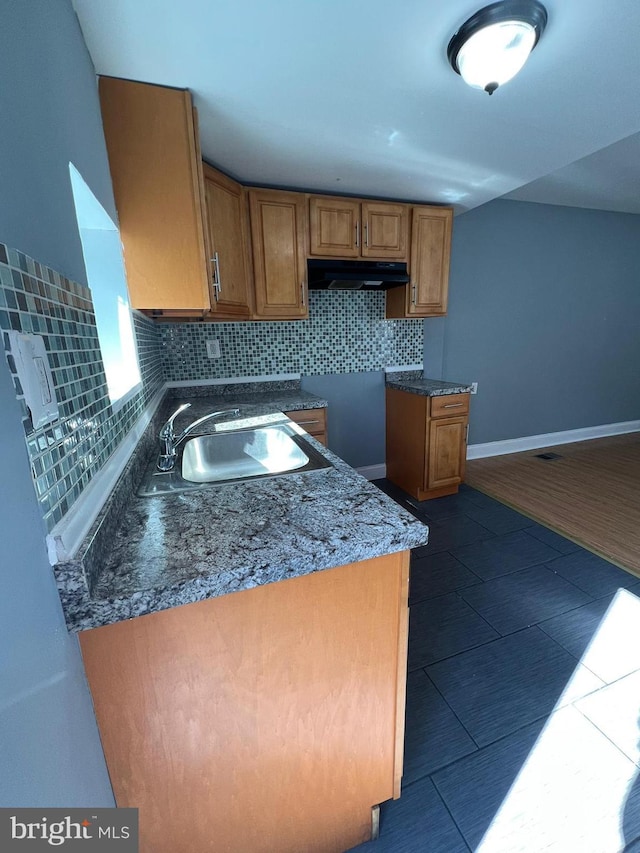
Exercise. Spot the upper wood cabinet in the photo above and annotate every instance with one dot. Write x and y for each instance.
(352, 228)
(278, 233)
(156, 170)
(426, 294)
(228, 245)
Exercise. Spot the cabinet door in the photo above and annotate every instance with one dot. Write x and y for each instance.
(228, 245)
(426, 294)
(447, 452)
(334, 227)
(156, 174)
(385, 230)
(278, 231)
(430, 251)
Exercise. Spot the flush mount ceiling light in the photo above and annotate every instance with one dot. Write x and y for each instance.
(493, 45)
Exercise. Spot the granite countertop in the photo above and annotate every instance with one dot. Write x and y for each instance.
(179, 548)
(416, 383)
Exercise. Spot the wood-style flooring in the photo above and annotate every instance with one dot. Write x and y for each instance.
(591, 494)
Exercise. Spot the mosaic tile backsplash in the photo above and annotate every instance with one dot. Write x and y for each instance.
(346, 333)
(66, 454)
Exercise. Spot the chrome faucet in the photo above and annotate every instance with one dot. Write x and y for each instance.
(169, 440)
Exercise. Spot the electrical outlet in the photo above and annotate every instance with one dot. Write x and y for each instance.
(474, 387)
(213, 348)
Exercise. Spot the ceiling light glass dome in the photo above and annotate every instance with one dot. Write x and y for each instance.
(493, 45)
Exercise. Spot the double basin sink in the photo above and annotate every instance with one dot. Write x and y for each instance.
(227, 457)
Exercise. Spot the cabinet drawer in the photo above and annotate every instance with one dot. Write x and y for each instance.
(313, 421)
(449, 405)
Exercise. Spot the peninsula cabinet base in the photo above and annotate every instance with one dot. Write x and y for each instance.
(266, 720)
(426, 441)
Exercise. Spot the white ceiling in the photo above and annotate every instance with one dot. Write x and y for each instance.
(357, 96)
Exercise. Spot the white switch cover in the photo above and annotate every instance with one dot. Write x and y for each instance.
(213, 348)
(34, 373)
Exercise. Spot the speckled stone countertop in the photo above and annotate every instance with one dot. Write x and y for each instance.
(416, 383)
(180, 548)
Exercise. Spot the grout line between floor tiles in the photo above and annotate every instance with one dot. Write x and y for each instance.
(454, 821)
(521, 728)
(486, 621)
(532, 624)
(470, 649)
(606, 683)
(458, 560)
(439, 692)
(571, 654)
(548, 566)
(604, 734)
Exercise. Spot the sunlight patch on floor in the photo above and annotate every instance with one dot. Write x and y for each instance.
(572, 793)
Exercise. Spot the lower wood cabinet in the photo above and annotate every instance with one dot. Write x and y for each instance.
(266, 720)
(426, 442)
(313, 421)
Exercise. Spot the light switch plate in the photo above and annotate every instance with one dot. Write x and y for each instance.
(34, 373)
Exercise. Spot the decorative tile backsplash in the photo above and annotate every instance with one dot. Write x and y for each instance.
(66, 454)
(346, 333)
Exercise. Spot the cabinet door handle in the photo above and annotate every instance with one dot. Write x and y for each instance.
(366, 234)
(466, 434)
(306, 423)
(302, 293)
(217, 284)
(413, 294)
(357, 234)
(452, 405)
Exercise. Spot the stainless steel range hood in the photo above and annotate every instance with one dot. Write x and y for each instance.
(355, 275)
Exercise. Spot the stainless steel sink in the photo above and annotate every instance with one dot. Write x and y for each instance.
(233, 455)
(227, 457)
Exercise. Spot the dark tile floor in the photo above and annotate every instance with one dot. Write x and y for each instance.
(523, 691)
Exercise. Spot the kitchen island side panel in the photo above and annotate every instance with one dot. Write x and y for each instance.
(268, 719)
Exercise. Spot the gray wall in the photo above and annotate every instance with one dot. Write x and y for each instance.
(544, 313)
(355, 415)
(50, 752)
(50, 116)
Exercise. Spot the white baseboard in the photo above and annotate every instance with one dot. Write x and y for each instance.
(533, 442)
(373, 472)
(66, 537)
